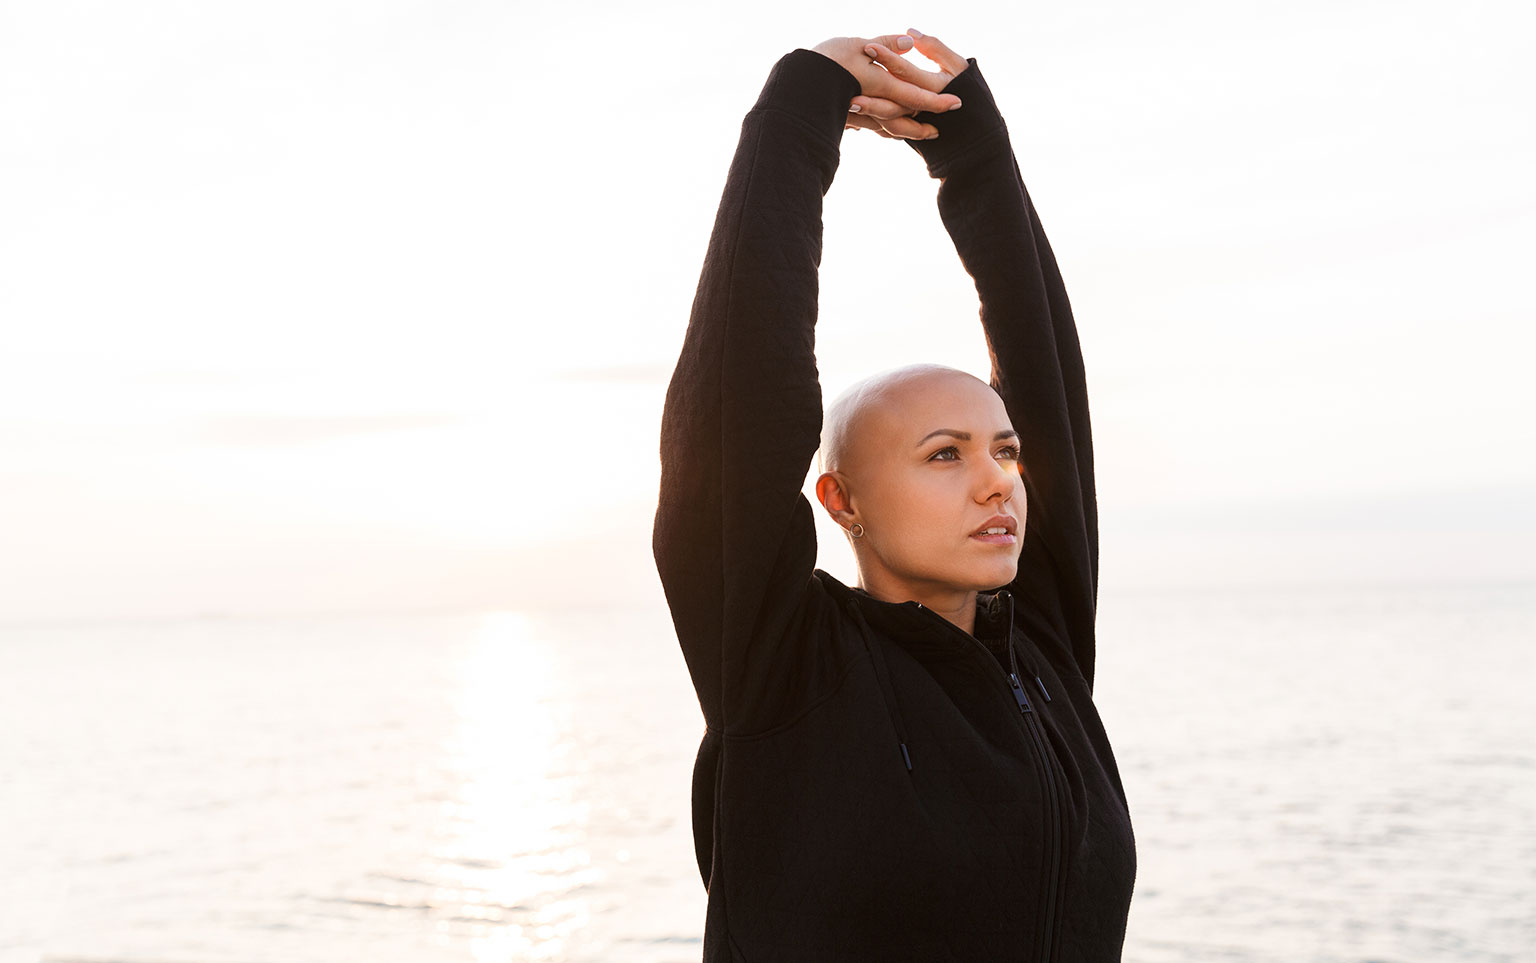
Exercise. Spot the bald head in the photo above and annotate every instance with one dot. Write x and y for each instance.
(876, 411)
(914, 463)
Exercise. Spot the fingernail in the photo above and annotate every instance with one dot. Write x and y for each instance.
(854, 108)
(915, 32)
(872, 51)
(955, 105)
(902, 43)
(931, 136)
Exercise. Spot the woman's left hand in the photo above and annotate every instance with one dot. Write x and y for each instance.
(886, 89)
(888, 118)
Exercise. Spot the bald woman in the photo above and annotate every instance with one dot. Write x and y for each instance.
(911, 768)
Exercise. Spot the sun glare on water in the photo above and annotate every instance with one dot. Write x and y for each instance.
(514, 840)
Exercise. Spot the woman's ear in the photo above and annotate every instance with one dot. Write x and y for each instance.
(832, 492)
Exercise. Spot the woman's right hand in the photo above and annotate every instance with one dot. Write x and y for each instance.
(890, 88)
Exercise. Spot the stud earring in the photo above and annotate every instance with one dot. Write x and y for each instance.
(856, 530)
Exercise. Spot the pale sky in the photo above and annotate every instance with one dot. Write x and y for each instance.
(339, 305)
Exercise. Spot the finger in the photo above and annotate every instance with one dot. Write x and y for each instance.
(908, 129)
(935, 50)
(866, 123)
(878, 107)
(898, 42)
(886, 86)
(905, 69)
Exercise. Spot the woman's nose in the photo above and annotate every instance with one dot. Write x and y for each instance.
(999, 480)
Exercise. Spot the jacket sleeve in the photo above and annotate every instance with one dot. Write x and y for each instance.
(1037, 363)
(734, 539)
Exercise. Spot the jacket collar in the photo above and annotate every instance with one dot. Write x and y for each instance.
(924, 632)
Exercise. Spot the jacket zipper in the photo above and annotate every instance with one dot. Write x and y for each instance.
(1052, 803)
(1047, 761)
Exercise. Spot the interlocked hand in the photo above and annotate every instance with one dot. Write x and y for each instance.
(893, 88)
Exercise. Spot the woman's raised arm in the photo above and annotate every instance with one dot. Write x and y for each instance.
(734, 539)
(1037, 363)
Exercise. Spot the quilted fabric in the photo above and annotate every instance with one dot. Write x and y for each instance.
(869, 786)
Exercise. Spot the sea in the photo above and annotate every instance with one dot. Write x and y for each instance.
(1323, 774)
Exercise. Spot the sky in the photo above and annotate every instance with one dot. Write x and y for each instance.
(343, 306)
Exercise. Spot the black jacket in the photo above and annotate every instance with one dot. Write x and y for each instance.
(875, 783)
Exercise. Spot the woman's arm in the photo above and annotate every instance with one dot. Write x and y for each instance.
(1037, 363)
(734, 540)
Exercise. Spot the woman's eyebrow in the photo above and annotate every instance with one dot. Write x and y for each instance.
(961, 435)
(966, 436)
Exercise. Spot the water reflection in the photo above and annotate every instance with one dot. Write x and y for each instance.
(514, 853)
(1323, 781)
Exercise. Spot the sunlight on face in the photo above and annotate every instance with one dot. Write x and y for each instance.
(515, 836)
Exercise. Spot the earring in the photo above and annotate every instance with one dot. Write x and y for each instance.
(856, 530)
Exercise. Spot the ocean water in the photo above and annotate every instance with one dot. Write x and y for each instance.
(1315, 775)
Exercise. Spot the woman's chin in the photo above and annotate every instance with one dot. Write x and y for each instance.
(1005, 573)
(987, 578)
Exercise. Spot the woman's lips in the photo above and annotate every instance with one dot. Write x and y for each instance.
(998, 530)
(1002, 538)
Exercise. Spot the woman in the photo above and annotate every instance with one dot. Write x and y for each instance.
(912, 769)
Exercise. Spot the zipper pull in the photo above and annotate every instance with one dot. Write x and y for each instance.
(1018, 693)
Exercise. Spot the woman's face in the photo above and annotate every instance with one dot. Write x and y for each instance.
(931, 471)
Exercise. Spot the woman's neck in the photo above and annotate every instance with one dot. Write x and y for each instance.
(955, 606)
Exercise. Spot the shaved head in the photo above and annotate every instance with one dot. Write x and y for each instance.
(922, 468)
(889, 395)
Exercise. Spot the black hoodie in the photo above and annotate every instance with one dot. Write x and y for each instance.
(875, 783)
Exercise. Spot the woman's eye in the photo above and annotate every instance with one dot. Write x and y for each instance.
(1009, 452)
(949, 453)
